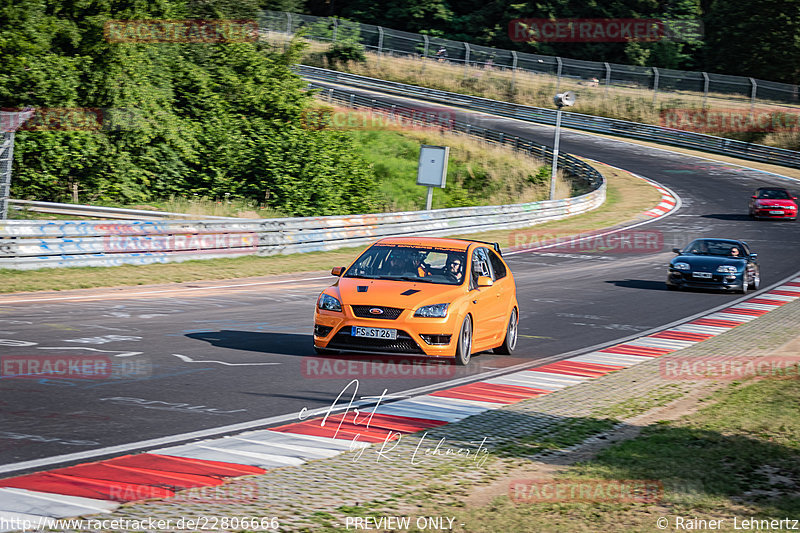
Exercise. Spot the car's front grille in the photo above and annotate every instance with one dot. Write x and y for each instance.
(402, 344)
(386, 313)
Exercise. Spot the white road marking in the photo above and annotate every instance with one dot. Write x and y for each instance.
(187, 359)
(116, 353)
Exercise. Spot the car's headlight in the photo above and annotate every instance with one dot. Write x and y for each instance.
(432, 311)
(681, 266)
(727, 268)
(329, 303)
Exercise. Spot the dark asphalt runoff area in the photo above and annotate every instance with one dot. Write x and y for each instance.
(193, 358)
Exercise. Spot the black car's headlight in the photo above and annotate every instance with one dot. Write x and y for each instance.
(681, 266)
(329, 303)
(730, 269)
(432, 311)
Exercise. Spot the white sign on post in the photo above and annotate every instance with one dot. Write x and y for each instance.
(432, 169)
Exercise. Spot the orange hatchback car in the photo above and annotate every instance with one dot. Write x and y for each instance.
(420, 295)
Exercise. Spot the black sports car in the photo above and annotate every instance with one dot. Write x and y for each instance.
(724, 264)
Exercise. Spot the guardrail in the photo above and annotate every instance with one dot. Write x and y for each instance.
(610, 126)
(100, 211)
(672, 83)
(34, 244)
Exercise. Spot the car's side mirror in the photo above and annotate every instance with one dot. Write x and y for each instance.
(337, 271)
(754, 196)
(676, 250)
(794, 197)
(754, 256)
(485, 281)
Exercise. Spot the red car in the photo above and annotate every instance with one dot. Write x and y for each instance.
(773, 202)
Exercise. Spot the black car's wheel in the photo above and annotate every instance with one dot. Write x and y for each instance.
(510, 341)
(745, 284)
(464, 347)
(672, 287)
(756, 281)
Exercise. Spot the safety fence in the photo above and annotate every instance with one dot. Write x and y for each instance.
(601, 74)
(35, 244)
(610, 126)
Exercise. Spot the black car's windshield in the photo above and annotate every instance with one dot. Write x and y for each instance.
(410, 263)
(712, 247)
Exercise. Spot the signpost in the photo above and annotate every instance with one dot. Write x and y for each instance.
(561, 100)
(432, 169)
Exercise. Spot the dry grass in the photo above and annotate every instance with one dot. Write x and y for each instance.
(633, 103)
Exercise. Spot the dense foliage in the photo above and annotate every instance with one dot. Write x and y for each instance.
(173, 119)
(758, 39)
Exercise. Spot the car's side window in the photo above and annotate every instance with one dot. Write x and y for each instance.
(497, 265)
(480, 265)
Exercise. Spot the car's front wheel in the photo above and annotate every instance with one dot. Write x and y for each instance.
(464, 346)
(756, 281)
(745, 284)
(510, 341)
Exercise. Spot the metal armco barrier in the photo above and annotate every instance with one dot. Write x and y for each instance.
(100, 211)
(34, 244)
(610, 126)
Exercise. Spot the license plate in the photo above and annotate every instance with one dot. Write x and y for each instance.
(373, 333)
(776, 212)
(703, 275)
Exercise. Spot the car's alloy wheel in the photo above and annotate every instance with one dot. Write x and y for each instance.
(745, 284)
(464, 347)
(510, 341)
(756, 281)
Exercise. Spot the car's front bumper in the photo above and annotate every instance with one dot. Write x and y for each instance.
(718, 281)
(436, 337)
(765, 213)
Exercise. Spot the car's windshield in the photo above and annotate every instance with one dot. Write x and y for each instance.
(410, 263)
(773, 194)
(712, 247)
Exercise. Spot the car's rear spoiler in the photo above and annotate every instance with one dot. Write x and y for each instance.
(495, 245)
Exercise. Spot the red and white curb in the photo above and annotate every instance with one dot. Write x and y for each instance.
(99, 487)
(667, 204)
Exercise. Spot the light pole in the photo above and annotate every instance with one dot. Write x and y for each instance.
(561, 100)
(9, 123)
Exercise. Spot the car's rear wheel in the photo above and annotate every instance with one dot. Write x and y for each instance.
(671, 287)
(464, 347)
(510, 341)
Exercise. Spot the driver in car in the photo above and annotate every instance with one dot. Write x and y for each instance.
(454, 271)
